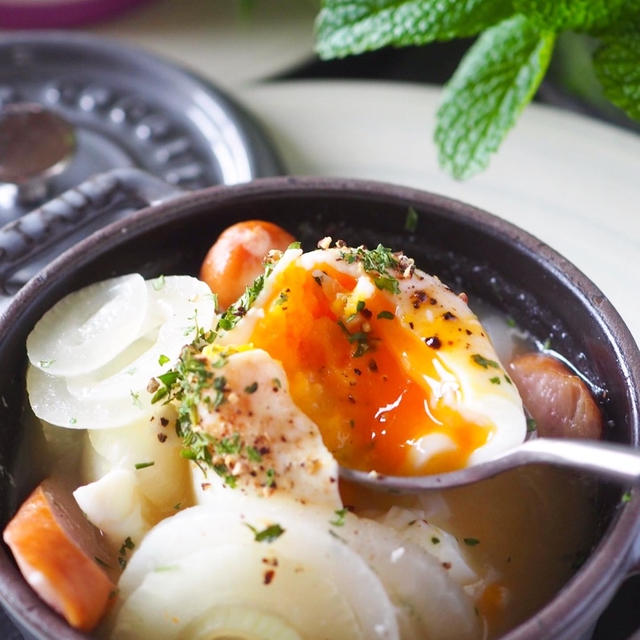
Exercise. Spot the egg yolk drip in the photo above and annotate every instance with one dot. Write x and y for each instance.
(359, 374)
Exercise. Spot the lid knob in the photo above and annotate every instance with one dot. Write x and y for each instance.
(35, 145)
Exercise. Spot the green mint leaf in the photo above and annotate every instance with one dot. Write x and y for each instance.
(575, 15)
(492, 85)
(617, 65)
(346, 27)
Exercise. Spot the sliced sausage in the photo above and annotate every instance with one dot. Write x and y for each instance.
(59, 553)
(235, 259)
(557, 399)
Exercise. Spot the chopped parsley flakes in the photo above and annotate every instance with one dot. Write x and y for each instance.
(485, 363)
(377, 263)
(270, 534)
(340, 517)
(238, 309)
(411, 221)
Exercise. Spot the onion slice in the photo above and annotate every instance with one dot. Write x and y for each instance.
(269, 594)
(87, 328)
(115, 394)
(306, 545)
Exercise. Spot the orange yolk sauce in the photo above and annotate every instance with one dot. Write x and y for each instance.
(346, 373)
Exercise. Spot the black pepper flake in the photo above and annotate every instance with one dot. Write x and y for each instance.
(373, 365)
(366, 313)
(162, 437)
(268, 576)
(447, 315)
(418, 298)
(446, 565)
(469, 333)
(433, 342)
(318, 280)
(411, 325)
(358, 372)
(164, 422)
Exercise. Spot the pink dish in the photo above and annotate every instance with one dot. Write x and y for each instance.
(39, 14)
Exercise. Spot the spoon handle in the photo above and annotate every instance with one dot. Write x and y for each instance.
(615, 462)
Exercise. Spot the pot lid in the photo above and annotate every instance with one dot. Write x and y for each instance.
(73, 105)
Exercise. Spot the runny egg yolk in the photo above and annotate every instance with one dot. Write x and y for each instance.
(359, 373)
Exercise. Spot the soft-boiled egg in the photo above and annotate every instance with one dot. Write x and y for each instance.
(394, 368)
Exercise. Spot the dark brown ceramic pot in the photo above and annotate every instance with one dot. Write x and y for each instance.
(470, 249)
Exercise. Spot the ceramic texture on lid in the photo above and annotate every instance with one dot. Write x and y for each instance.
(129, 109)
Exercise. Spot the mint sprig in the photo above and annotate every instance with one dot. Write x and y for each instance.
(501, 72)
(493, 84)
(348, 27)
(617, 64)
(587, 16)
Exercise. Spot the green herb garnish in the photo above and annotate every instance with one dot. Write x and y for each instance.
(411, 221)
(252, 388)
(228, 446)
(340, 517)
(163, 359)
(494, 380)
(386, 315)
(135, 398)
(238, 309)
(485, 363)
(376, 262)
(532, 425)
(143, 465)
(271, 533)
(471, 542)
(359, 338)
(271, 478)
(158, 283)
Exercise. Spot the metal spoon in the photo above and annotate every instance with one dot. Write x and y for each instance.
(615, 462)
